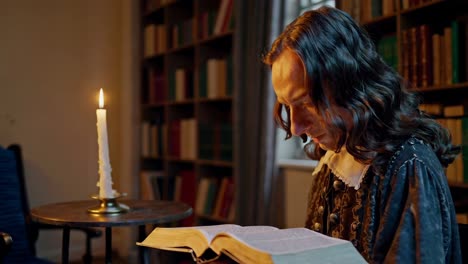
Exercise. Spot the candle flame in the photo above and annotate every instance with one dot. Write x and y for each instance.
(101, 99)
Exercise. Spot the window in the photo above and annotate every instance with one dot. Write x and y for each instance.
(292, 148)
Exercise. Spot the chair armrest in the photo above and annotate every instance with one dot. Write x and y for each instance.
(5, 244)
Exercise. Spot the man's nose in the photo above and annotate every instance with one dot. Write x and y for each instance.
(298, 124)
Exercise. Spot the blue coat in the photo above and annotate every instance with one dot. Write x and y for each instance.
(404, 216)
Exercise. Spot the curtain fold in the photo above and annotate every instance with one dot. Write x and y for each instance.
(256, 23)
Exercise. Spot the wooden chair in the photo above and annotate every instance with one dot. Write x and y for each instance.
(15, 218)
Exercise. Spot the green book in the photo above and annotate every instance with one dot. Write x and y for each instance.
(455, 52)
(210, 197)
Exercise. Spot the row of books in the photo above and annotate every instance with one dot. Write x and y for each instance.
(214, 22)
(216, 77)
(215, 81)
(208, 141)
(215, 141)
(455, 119)
(182, 140)
(457, 172)
(215, 197)
(210, 196)
(180, 84)
(153, 136)
(183, 33)
(180, 187)
(431, 58)
(366, 10)
(155, 40)
(150, 5)
(152, 185)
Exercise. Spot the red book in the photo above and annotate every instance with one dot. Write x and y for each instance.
(405, 54)
(188, 193)
(415, 66)
(426, 55)
(228, 199)
(227, 18)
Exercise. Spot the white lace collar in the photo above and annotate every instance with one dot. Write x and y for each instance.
(344, 166)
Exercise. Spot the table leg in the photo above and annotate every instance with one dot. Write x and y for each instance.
(108, 245)
(143, 251)
(65, 244)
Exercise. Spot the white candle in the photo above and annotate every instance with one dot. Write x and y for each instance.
(105, 179)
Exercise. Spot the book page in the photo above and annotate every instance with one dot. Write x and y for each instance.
(286, 241)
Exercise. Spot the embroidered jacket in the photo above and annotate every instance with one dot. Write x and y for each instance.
(404, 216)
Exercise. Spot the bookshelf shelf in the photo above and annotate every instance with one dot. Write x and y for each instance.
(223, 99)
(226, 36)
(459, 185)
(176, 160)
(379, 21)
(187, 108)
(217, 163)
(153, 105)
(218, 220)
(463, 85)
(157, 58)
(184, 102)
(422, 6)
(426, 41)
(157, 12)
(187, 49)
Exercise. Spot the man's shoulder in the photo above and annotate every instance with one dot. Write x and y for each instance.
(412, 150)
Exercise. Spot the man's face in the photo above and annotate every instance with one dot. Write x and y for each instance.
(289, 83)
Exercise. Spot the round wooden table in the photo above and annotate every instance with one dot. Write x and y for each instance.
(141, 212)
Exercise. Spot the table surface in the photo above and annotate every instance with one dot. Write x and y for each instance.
(141, 212)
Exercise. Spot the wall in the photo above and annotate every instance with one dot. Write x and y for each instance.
(296, 176)
(54, 57)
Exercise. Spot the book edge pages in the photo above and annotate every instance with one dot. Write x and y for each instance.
(173, 249)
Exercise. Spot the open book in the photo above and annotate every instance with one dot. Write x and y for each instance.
(255, 244)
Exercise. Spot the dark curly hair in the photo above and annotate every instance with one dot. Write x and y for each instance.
(343, 67)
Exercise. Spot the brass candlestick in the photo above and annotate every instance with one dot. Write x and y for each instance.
(109, 205)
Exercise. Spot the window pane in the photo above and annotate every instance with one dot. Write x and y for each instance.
(304, 3)
(331, 2)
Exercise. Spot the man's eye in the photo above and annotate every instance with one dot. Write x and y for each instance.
(307, 105)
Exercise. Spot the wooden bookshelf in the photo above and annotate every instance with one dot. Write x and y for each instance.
(436, 84)
(186, 101)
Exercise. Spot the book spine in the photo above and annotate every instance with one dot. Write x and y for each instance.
(426, 56)
(455, 53)
(414, 59)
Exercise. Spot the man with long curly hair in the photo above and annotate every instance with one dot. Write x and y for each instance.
(380, 181)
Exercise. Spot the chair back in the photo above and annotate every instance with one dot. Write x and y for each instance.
(13, 208)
